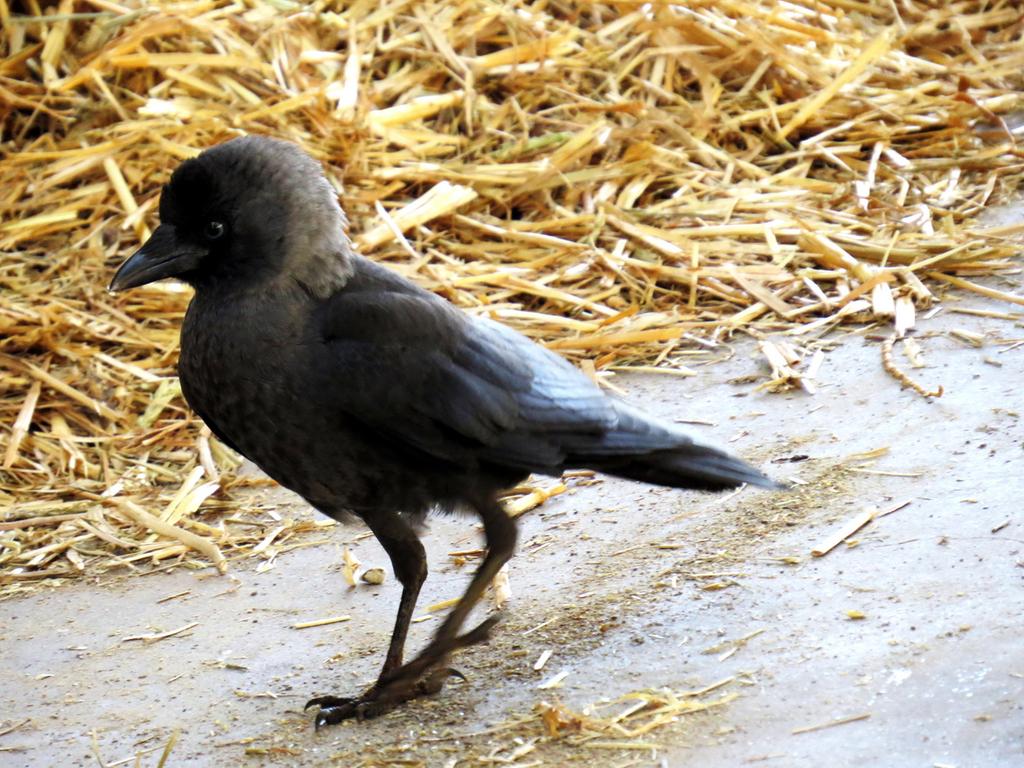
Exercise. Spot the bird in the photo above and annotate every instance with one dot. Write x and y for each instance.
(371, 396)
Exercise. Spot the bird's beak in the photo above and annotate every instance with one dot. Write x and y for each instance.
(163, 255)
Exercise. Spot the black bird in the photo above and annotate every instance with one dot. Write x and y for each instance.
(366, 394)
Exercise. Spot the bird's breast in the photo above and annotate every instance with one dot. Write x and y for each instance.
(244, 351)
(240, 370)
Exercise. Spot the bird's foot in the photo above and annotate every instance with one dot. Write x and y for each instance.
(380, 698)
(423, 676)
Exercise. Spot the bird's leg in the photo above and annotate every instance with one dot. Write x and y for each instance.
(409, 562)
(501, 534)
(426, 673)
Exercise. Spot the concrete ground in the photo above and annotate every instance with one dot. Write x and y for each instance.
(630, 588)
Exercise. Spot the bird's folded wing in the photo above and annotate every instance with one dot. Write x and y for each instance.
(417, 371)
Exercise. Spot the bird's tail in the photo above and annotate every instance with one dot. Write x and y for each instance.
(689, 466)
(643, 449)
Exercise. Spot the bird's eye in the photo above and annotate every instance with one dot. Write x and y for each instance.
(214, 230)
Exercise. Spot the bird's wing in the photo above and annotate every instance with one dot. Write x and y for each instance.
(417, 372)
(411, 367)
(564, 420)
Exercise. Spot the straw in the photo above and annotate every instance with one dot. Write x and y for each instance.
(631, 184)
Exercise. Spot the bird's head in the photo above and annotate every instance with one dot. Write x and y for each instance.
(249, 210)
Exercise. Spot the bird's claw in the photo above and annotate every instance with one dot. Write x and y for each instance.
(333, 709)
(328, 701)
(452, 672)
(423, 676)
(382, 697)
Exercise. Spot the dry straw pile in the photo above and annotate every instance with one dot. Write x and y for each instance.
(628, 182)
